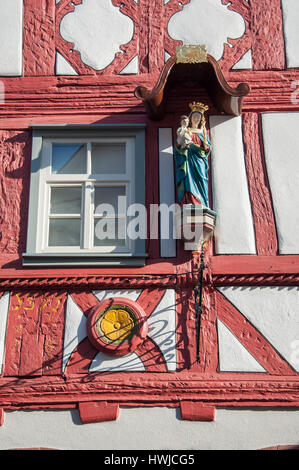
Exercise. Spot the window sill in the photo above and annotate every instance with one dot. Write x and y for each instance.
(84, 259)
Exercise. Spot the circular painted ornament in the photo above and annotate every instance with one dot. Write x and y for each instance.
(117, 326)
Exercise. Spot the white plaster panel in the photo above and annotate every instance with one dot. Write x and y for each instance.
(129, 363)
(166, 189)
(245, 62)
(291, 33)
(150, 428)
(132, 67)
(274, 311)
(97, 29)
(166, 56)
(162, 328)
(193, 25)
(234, 232)
(233, 357)
(63, 67)
(280, 134)
(4, 305)
(74, 330)
(11, 34)
(132, 294)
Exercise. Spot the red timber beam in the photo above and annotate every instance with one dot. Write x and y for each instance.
(155, 389)
(225, 269)
(251, 270)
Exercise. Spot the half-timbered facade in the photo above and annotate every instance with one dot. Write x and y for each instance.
(76, 130)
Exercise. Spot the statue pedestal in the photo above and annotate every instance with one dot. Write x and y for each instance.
(194, 225)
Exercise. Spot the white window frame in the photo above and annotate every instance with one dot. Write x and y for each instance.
(38, 250)
(87, 182)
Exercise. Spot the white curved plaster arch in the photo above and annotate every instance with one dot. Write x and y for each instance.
(206, 22)
(129, 363)
(97, 29)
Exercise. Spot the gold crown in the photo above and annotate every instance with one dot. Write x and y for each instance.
(198, 107)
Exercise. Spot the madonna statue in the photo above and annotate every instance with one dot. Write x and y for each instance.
(191, 152)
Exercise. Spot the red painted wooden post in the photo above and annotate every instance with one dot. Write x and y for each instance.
(15, 157)
(267, 35)
(259, 189)
(209, 340)
(39, 33)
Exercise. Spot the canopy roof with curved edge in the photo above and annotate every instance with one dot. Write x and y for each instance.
(207, 74)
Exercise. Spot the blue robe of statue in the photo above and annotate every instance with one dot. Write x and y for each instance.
(192, 170)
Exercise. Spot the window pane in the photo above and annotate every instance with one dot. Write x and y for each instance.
(108, 159)
(109, 196)
(66, 200)
(64, 232)
(69, 158)
(109, 232)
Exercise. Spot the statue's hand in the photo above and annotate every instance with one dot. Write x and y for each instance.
(197, 146)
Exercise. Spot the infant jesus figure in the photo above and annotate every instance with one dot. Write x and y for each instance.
(184, 138)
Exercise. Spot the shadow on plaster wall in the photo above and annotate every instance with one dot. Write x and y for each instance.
(76, 417)
(281, 448)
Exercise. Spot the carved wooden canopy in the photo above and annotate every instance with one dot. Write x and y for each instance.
(206, 73)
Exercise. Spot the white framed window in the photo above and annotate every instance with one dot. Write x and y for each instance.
(82, 178)
(82, 182)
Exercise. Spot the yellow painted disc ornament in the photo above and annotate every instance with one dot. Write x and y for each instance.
(117, 324)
